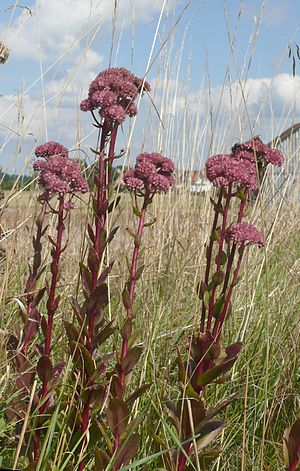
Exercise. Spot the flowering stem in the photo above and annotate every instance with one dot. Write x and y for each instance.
(33, 277)
(209, 254)
(52, 305)
(133, 270)
(217, 330)
(234, 245)
(219, 256)
(104, 179)
(182, 457)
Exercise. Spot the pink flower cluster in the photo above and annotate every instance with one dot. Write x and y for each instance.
(255, 149)
(113, 92)
(152, 172)
(58, 173)
(223, 169)
(244, 233)
(240, 166)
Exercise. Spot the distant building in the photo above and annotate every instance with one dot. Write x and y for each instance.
(194, 180)
(289, 143)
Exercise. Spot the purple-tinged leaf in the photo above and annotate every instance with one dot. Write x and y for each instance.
(93, 260)
(44, 369)
(44, 326)
(126, 329)
(52, 241)
(117, 416)
(104, 334)
(131, 359)
(98, 298)
(127, 450)
(102, 278)
(213, 373)
(91, 233)
(31, 325)
(291, 443)
(138, 393)
(38, 297)
(86, 278)
(101, 460)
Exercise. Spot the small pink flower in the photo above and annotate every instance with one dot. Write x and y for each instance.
(244, 233)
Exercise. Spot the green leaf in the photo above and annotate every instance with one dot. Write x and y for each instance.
(148, 224)
(209, 432)
(114, 204)
(139, 272)
(82, 355)
(126, 329)
(112, 234)
(218, 306)
(44, 369)
(206, 298)
(136, 212)
(126, 298)
(117, 416)
(218, 278)
(72, 331)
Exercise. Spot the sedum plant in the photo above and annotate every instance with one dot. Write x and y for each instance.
(208, 361)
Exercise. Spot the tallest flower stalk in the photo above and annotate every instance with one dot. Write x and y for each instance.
(112, 96)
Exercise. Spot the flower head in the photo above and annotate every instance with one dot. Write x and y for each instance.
(58, 173)
(255, 149)
(244, 233)
(152, 172)
(225, 169)
(113, 92)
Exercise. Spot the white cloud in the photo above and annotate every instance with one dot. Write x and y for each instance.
(56, 26)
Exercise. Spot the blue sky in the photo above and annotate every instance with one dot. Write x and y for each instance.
(58, 35)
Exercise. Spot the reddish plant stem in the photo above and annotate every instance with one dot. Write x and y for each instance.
(34, 273)
(51, 308)
(219, 256)
(133, 268)
(233, 248)
(182, 457)
(104, 178)
(209, 256)
(217, 330)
